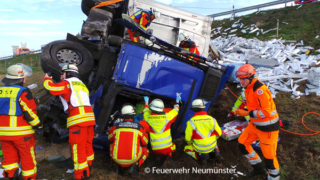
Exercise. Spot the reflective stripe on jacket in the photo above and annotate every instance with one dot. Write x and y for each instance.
(17, 125)
(9, 100)
(261, 106)
(202, 131)
(82, 115)
(127, 137)
(160, 125)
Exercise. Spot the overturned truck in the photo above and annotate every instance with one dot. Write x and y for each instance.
(119, 71)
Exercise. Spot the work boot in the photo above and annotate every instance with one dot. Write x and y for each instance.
(160, 159)
(16, 175)
(133, 169)
(85, 175)
(118, 169)
(203, 158)
(258, 169)
(217, 155)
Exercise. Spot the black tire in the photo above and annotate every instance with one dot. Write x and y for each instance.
(61, 52)
(86, 5)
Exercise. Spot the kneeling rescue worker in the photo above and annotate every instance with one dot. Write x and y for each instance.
(74, 96)
(202, 133)
(264, 124)
(129, 141)
(160, 127)
(18, 118)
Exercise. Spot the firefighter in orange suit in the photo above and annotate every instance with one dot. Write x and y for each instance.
(202, 133)
(129, 141)
(74, 96)
(144, 19)
(264, 124)
(18, 118)
(160, 127)
(189, 45)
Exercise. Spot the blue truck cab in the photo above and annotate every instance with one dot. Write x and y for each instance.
(146, 71)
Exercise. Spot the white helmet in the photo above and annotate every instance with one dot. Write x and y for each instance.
(128, 110)
(198, 103)
(70, 68)
(18, 71)
(155, 13)
(157, 105)
(182, 37)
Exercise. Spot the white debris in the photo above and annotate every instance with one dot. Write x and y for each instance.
(69, 171)
(281, 65)
(254, 30)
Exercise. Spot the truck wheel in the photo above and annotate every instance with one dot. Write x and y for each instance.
(86, 5)
(61, 52)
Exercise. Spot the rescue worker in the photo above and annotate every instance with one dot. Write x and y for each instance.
(129, 141)
(74, 96)
(18, 121)
(144, 19)
(239, 104)
(189, 45)
(264, 124)
(160, 127)
(201, 134)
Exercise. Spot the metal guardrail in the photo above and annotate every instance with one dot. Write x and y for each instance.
(8, 57)
(250, 8)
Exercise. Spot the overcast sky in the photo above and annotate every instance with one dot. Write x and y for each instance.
(37, 22)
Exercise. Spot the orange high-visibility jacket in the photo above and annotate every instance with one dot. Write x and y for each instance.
(142, 18)
(127, 139)
(261, 107)
(18, 112)
(80, 116)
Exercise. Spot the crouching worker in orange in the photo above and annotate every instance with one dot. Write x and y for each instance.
(144, 19)
(129, 141)
(189, 45)
(201, 134)
(264, 124)
(160, 128)
(18, 118)
(74, 96)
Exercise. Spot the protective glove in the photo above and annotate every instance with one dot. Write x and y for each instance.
(38, 129)
(241, 112)
(178, 98)
(230, 115)
(146, 100)
(148, 42)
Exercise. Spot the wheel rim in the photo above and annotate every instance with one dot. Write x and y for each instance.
(69, 56)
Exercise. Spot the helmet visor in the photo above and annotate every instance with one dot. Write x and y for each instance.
(27, 70)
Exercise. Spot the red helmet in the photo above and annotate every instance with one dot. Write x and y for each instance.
(245, 71)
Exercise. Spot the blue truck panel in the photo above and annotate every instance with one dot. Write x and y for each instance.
(158, 74)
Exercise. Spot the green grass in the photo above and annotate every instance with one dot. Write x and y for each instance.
(303, 24)
(32, 60)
